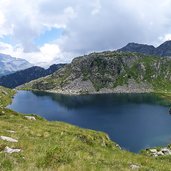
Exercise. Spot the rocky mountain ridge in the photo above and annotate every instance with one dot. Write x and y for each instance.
(162, 50)
(109, 72)
(20, 77)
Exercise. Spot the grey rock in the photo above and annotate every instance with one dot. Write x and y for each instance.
(30, 118)
(153, 150)
(11, 150)
(134, 167)
(166, 151)
(9, 139)
(160, 153)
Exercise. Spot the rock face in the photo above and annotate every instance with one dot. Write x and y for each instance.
(27, 75)
(109, 72)
(162, 50)
(10, 64)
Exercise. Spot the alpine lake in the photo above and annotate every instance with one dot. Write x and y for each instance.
(134, 121)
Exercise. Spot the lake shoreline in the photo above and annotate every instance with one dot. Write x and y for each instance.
(162, 94)
(106, 91)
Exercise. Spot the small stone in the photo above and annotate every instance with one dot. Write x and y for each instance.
(117, 145)
(153, 150)
(30, 118)
(8, 139)
(134, 167)
(11, 150)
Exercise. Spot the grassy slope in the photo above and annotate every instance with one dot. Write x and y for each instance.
(59, 146)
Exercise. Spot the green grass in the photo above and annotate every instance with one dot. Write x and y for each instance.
(60, 146)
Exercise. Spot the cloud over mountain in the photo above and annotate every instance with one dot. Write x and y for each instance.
(81, 26)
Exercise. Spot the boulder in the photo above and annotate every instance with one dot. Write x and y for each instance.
(30, 118)
(153, 150)
(166, 151)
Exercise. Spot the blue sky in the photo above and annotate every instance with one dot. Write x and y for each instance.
(49, 36)
(6, 39)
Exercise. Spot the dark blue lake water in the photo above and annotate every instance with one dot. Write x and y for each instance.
(134, 121)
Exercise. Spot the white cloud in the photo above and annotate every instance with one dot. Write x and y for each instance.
(44, 57)
(87, 26)
(97, 7)
(166, 37)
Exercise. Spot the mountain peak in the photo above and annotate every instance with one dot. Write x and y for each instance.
(166, 44)
(140, 48)
(162, 50)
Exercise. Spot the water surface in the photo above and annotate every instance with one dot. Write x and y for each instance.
(134, 121)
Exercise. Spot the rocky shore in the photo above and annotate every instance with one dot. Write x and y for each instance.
(86, 87)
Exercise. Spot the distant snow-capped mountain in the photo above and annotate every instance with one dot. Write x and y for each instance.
(10, 64)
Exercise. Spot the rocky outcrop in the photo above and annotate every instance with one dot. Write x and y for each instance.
(165, 151)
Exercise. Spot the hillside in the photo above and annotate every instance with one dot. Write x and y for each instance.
(45, 145)
(20, 77)
(10, 64)
(162, 50)
(109, 72)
